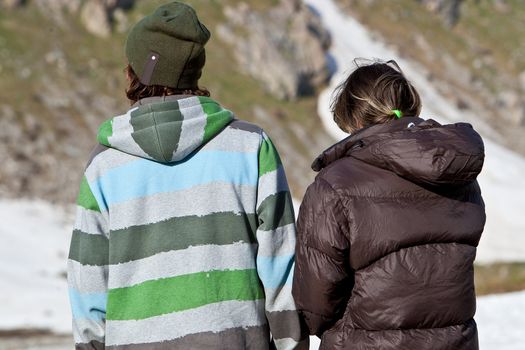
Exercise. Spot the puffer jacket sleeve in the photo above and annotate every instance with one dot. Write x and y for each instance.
(322, 278)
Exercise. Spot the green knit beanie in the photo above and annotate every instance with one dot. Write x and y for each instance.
(167, 47)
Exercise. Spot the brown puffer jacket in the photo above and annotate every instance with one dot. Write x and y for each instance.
(387, 236)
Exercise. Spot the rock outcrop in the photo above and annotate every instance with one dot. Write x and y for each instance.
(99, 17)
(284, 48)
(59, 97)
(96, 18)
(11, 4)
(450, 10)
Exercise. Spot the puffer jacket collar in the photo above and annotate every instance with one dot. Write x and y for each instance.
(345, 146)
(422, 151)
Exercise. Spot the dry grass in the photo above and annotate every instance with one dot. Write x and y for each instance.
(488, 40)
(499, 278)
(96, 65)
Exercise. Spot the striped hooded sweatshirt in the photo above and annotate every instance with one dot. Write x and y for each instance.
(184, 237)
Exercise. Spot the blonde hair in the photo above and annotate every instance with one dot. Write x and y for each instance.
(372, 94)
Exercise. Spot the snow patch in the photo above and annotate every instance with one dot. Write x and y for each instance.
(501, 321)
(34, 240)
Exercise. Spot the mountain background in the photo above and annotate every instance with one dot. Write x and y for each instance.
(62, 61)
(62, 74)
(270, 61)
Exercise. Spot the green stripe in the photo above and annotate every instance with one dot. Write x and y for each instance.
(276, 211)
(104, 132)
(89, 249)
(139, 242)
(166, 295)
(217, 117)
(86, 199)
(157, 128)
(269, 159)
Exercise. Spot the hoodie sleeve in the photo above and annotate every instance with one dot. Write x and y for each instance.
(276, 253)
(87, 270)
(323, 278)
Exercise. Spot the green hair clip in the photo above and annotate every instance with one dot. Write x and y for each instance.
(398, 113)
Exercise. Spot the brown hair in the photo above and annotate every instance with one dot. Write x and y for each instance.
(371, 94)
(136, 91)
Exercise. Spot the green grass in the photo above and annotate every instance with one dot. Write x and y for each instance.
(26, 46)
(499, 32)
(483, 31)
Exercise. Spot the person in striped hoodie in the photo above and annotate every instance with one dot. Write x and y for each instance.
(185, 236)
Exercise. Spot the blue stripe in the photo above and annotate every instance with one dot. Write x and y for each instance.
(275, 271)
(144, 177)
(88, 306)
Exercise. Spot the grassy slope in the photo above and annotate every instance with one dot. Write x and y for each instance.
(483, 31)
(97, 64)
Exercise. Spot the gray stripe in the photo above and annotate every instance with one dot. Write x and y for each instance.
(95, 152)
(251, 338)
(87, 278)
(196, 201)
(192, 129)
(93, 345)
(215, 317)
(291, 344)
(237, 256)
(271, 183)
(285, 324)
(231, 140)
(245, 126)
(106, 161)
(86, 331)
(280, 241)
(121, 137)
(90, 221)
(279, 299)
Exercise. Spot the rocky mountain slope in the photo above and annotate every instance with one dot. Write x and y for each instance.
(61, 73)
(284, 47)
(471, 51)
(61, 66)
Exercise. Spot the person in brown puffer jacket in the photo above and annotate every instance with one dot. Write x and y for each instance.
(387, 233)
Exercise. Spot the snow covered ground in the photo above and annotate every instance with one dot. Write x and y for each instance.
(501, 181)
(34, 239)
(501, 321)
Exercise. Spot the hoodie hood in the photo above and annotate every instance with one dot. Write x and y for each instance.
(424, 152)
(165, 129)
